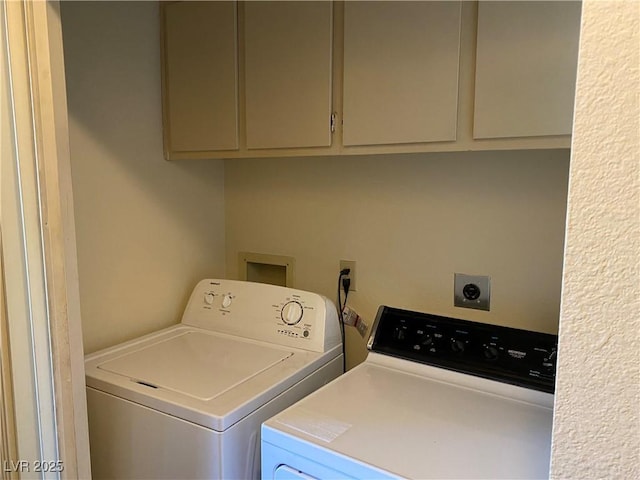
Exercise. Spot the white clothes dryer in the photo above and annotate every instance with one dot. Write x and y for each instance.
(436, 398)
(188, 401)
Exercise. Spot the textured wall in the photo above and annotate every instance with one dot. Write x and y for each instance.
(596, 424)
(147, 230)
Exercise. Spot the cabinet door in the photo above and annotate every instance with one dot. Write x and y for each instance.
(525, 68)
(200, 76)
(400, 72)
(288, 74)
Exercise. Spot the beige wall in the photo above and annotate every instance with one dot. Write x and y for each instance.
(147, 230)
(597, 410)
(410, 222)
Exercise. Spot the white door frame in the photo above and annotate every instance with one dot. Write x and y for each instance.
(39, 268)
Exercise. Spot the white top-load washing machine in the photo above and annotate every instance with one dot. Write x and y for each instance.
(188, 401)
(436, 398)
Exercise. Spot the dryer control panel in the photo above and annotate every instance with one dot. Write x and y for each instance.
(280, 315)
(510, 355)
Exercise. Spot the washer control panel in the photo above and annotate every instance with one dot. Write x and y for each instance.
(264, 312)
(294, 317)
(510, 355)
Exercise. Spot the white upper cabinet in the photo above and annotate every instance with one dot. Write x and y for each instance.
(401, 62)
(525, 68)
(265, 78)
(288, 74)
(200, 77)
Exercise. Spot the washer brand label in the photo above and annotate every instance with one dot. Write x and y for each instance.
(517, 354)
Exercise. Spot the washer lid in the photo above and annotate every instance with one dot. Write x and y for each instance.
(196, 364)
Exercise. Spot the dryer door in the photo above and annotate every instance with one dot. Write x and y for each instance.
(284, 472)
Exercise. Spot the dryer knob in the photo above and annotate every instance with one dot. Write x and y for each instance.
(226, 300)
(457, 345)
(208, 298)
(490, 352)
(291, 313)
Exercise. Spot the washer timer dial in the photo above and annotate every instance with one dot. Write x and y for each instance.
(291, 312)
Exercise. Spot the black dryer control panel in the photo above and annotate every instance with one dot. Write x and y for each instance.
(509, 355)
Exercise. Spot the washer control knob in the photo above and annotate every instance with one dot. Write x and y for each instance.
(208, 298)
(226, 300)
(291, 313)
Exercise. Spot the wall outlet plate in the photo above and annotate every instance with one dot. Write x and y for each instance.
(472, 291)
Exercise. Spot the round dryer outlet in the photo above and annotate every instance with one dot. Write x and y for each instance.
(472, 291)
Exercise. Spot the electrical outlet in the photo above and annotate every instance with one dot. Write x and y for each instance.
(350, 264)
(472, 291)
